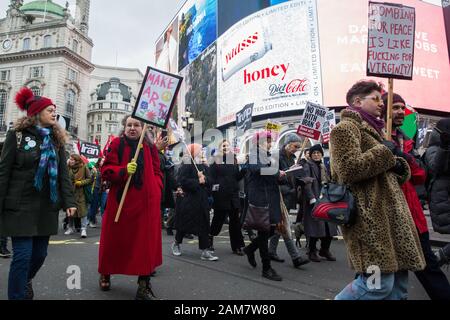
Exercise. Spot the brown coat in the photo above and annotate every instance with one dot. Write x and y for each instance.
(384, 234)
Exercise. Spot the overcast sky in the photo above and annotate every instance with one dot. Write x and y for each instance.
(127, 29)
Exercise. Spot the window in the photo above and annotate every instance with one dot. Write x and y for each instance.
(75, 45)
(114, 96)
(99, 117)
(99, 139)
(112, 128)
(112, 117)
(72, 75)
(5, 75)
(99, 128)
(36, 91)
(47, 41)
(3, 101)
(113, 105)
(37, 72)
(91, 130)
(91, 138)
(70, 102)
(26, 44)
(100, 105)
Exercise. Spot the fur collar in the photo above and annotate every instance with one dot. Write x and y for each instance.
(355, 117)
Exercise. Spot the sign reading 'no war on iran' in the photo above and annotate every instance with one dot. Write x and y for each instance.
(157, 97)
(390, 45)
(89, 150)
(312, 121)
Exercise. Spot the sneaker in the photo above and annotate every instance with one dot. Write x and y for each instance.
(271, 274)
(176, 249)
(443, 256)
(92, 225)
(83, 233)
(208, 256)
(189, 236)
(69, 231)
(4, 253)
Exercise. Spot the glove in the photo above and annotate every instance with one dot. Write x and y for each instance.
(392, 147)
(312, 201)
(398, 168)
(77, 183)
(445, 140)
(131, 168)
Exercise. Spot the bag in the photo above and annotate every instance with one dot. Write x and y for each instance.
(336, 205)
(257, 218)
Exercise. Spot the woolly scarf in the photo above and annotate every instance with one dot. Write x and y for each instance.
(377, 124)
(47, 164)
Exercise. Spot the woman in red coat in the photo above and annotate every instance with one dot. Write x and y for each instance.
(132, 246)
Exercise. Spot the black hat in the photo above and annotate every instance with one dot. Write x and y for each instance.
(316, 147)
(444, 125)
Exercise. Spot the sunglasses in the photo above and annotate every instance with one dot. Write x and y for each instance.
(374, 98)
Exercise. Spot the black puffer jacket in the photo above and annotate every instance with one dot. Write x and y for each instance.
(437, 161)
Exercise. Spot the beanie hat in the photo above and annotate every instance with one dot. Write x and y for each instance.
(316, 147)
(444, 125)
(292, 138)
(27, 101)
(397, 98)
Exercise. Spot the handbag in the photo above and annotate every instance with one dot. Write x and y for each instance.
(336, 205)
(257, 218)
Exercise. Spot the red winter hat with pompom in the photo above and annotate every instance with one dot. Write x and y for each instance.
(27, 101)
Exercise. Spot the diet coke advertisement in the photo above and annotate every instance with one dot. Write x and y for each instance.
(271, 59)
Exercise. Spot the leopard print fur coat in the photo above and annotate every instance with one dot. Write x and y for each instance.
(384, 234)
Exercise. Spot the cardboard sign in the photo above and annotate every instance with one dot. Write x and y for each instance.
(312, 121)
(273, 126)
(390, 46)
(328, 125)
(89, 150)
(157, 97)
(244, 118)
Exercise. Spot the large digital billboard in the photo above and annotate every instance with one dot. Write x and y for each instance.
(343, 46)
(197, 23)
(270, 59)
(166, 57)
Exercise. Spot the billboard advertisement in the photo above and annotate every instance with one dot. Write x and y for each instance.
(197, 25)
(199, 88)
(166, 58)
(343, 46)
(271, 59)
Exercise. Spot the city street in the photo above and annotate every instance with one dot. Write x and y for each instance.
(189, 278)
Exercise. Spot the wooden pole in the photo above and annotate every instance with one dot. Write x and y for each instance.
(389, 110)
(305, 141)
(136, 155)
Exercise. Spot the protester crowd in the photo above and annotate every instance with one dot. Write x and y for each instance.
(205, 191)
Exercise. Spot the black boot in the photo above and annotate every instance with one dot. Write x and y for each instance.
(144, 291)
(29, 293)
(271, 274)
(300, 262)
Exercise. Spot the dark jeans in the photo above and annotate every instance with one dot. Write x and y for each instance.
(261, 242)
(236, 238)
(3, 242)
(29, 254)
(95, 204)
(203, 239)
(432, 278)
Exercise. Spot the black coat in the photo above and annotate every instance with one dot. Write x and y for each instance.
(437, 160)
(227, 176)
(263, 189)
(169, 183)
(25, 211)
(288, 188)
(192, 210)
(313, 177)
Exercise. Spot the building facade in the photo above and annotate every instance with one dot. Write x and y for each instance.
(113, 93)
(43, 47)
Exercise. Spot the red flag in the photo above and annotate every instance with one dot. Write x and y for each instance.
(108, 142)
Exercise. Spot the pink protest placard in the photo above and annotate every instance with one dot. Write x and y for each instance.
(312, 121)
(157, 97)
(390, 45)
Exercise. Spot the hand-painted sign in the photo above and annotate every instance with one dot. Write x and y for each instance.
(157, 97)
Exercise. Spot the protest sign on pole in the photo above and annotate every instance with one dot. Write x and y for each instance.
(273, 126)
(157, 97)
(244, 118)
(312, 121)
(90, 150)
(328, 125)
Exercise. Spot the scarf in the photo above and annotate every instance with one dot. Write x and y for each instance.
(374, 122)
(136, 180)
(47, 164)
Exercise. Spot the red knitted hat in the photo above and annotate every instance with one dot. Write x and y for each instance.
(27, 101)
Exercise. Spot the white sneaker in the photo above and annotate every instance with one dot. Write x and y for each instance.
(83, 233)
(208, 256)
(69, 231)
(92, 225)
(176, 249)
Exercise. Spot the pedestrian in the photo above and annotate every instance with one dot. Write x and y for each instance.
(384, 237)
(432, 278)
(263, 191)
(192, 215)
(437, 159)
(314, 177)
(225, 176)
(81, 179)
(34, 186)
(288, 190)
(96, 193)
(131, 246)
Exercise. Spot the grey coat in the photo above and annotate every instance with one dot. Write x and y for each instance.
(437, 160)
(313, 179)
(25, 211)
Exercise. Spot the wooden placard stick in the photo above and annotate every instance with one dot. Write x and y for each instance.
(389, 109)
(305, 141)
(136, 155)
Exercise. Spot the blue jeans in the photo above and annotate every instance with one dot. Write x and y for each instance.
(95, 204)
(29, 254)
(393, 286)
(103, 198)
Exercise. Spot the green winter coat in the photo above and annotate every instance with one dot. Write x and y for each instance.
(25, 211)
(80, 198)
